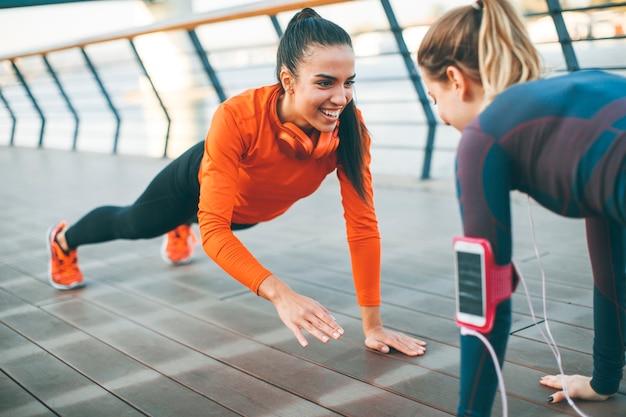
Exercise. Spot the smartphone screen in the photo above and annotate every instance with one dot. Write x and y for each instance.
(470, 283)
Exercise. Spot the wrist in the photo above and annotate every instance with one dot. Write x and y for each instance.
(370, 316)
(271, 288)
(598, 392)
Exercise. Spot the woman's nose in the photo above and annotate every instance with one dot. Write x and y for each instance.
(341, 96)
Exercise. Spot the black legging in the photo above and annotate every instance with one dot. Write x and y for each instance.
(607, 239)
(171, 199)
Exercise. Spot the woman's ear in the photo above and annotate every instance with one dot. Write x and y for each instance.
(458, 81)
(287, 80)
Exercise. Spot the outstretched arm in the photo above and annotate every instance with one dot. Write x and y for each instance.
(605, 240)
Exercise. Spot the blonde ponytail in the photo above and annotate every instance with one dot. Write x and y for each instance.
(506, 54)
(489, 43)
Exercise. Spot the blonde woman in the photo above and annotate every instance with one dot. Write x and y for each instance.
(560, 140)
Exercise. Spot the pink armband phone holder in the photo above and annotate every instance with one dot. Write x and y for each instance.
(498, 283)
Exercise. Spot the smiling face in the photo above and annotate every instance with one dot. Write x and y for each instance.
(322, 87)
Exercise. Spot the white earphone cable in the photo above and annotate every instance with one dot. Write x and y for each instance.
(548, 339)
(551, 342)
(470, 332)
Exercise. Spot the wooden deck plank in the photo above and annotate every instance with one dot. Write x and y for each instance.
(103, 369)
(291, 373)
(16, 401)
(431, 327)
(417, 381)
(146, 327)
(53, 383)
(236, 390)
(402, 377)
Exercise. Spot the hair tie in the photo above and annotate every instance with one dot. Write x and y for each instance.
(478, 5)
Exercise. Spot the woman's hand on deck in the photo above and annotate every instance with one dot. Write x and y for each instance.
(578, 386)
(382, 340)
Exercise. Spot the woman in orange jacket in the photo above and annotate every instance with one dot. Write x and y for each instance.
(266, 148)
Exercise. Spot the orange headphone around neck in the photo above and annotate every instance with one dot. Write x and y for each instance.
(295, 143)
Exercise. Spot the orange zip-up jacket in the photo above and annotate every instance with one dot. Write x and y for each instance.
(245, 179)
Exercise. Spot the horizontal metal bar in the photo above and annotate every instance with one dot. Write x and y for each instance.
(579, 9)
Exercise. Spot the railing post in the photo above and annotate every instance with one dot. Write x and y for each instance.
(276, 24)
(206, 64)
(156, 93)
(32, 99)
(11, 114)
(415, 78)
(116, 114)
(65, 97)
(556, 12)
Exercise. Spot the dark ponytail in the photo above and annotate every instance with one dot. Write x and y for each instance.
(352, 148)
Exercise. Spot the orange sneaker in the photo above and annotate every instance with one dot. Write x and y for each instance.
(177, 247)
(63, 272)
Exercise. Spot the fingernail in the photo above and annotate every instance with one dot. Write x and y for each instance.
(325, 339)
(550, 399)
(303, 343)
(336, 335)
(340, 330)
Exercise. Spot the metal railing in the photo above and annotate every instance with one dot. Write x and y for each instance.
(152, 90)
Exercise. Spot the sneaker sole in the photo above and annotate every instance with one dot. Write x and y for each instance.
(50, 280)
